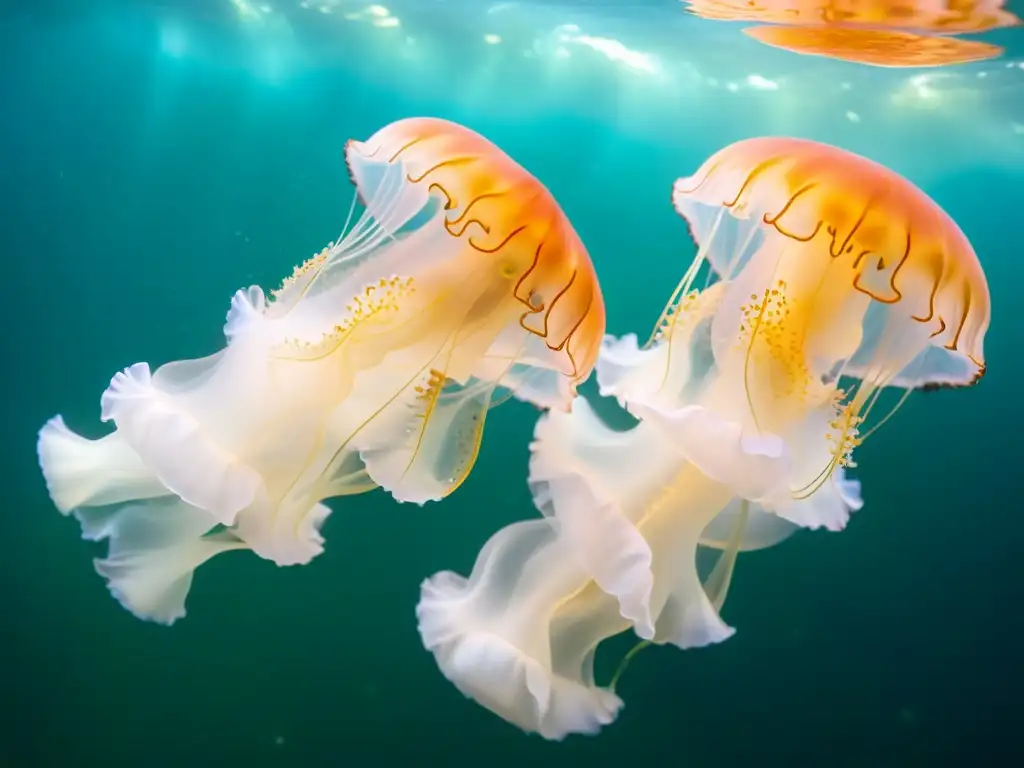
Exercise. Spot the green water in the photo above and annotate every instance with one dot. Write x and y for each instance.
(139, 191)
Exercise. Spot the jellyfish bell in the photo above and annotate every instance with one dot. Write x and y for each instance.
(875, 47)
(842, 235)
(486, 265)
(835, 268)
(509, 265)
(490, 292)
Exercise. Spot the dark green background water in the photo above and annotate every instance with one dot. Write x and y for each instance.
(136, 195)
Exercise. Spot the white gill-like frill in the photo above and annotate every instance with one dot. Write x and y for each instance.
(635, 505)
(730, 410)
(155, 540)
(519, 635)
(617, 494)
(251, 434)
(762, 529)
(288, 472)
(633, 514)
(744, 526)
(422, 444)
(207, 427)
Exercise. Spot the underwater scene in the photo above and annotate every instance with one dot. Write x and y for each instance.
(461, 382)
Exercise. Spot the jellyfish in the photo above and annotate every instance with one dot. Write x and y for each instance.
(826, 269)
(831, 279)
(461, 283)
(877, 47)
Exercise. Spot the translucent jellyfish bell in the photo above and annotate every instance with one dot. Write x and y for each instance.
(512, 272)
(834, 266)
(463, 280)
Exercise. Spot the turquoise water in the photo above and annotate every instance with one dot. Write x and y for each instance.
(157, 157)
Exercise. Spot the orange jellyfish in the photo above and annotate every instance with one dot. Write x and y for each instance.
(877, 47)
(374, 364)
(834, 267)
